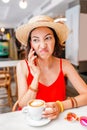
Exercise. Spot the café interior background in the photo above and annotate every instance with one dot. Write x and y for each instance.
(72, 12)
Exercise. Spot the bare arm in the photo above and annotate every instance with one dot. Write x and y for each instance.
(77, 82)
(25, 94)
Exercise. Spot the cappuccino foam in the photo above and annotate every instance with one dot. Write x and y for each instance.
(36, 103)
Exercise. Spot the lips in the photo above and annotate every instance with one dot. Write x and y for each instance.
(43, 51)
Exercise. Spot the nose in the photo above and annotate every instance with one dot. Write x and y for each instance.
(43, 44)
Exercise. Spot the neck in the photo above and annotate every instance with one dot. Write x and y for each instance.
(46, 63)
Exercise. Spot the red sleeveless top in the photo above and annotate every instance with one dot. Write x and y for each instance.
(56, 91)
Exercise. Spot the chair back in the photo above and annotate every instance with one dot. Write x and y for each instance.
(5, 77)
(5, 82)
(15, 106)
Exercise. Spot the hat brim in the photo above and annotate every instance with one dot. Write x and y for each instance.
(23, 31)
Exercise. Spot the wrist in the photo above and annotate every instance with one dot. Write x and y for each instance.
(60, 104)
(36, 77)
(33, 89)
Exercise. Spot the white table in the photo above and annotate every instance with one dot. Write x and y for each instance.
(9, 63)
(16, 120)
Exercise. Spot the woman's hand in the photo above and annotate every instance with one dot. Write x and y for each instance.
(33, 63)
(51, 111)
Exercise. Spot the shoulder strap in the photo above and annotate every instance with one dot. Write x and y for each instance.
(27, 64)
(60, 64)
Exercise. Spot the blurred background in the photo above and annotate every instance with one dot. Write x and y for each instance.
(14, 13)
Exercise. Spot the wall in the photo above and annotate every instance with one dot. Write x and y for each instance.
(72, 43)
(83, 38)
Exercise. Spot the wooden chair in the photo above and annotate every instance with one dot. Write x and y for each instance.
(15, 79)
(15, 106)
(5, 82)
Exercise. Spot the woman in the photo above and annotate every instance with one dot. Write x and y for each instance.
(42, 74)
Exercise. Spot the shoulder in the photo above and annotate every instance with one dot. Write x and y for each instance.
(21, 63)
(22, 66)
(67, 66)
(65, 62)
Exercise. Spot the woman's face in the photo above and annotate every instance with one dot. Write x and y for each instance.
(43, 41)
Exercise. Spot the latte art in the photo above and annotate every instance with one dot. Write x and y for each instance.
(36, 103)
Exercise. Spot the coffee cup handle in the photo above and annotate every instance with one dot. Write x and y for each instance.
(25, 109)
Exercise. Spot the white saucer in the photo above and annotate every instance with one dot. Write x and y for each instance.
(41, 122)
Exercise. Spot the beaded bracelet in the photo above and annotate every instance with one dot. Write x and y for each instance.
(76, 104)
(73, 102)
(32, 89)
(61, 106)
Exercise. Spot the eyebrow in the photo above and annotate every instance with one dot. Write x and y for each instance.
(44, 36)
(48, 34)
(34, 37)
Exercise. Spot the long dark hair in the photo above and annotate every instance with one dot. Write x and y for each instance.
(57, 49)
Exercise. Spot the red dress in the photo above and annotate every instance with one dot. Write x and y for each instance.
(56, 91)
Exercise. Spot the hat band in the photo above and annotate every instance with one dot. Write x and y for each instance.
(43, 21)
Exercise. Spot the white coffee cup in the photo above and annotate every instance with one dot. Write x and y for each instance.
(34, 109)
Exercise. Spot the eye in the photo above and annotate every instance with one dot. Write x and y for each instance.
(35, 40)
(48, 38)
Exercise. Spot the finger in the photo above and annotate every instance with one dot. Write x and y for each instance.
(50, 111)
(31, 59)
(51, 115)
(31, 53)
(49, 105)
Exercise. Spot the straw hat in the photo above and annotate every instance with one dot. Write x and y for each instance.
(23, 31)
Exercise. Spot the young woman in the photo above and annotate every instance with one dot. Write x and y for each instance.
(42, 74)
